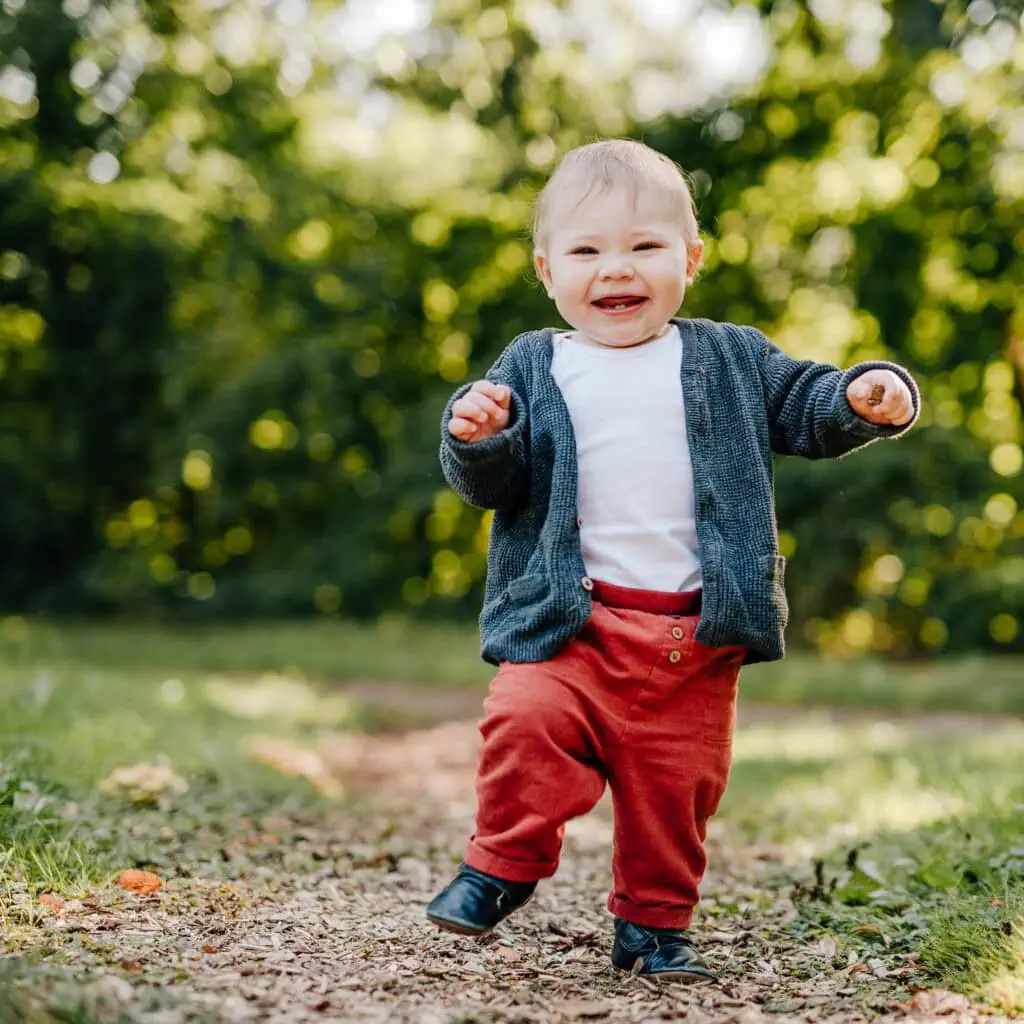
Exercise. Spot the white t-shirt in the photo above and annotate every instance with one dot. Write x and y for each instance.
(635, 476)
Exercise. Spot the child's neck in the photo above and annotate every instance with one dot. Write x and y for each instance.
(583, 339)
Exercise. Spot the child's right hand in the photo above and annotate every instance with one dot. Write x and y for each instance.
(481, 412)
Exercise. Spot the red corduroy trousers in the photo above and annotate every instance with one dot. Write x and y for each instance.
(636, 702)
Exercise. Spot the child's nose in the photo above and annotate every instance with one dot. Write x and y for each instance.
(616, 267)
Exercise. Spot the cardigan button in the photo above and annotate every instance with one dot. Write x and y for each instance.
(587, 583)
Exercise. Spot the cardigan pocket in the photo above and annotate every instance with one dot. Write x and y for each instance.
(526, 588)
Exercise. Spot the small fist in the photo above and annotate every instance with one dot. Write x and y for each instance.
(481, 412)
(879, 396)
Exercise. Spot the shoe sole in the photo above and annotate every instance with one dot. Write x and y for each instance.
(457, 929)
(682, 976)
(685, 977)
(460, 929)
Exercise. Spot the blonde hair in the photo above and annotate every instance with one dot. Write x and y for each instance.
(601, 166)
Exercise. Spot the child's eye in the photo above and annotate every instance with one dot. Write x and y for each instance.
(583, 250)
(647, 245)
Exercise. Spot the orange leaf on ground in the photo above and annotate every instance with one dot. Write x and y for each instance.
(142, 882)
(51, 902)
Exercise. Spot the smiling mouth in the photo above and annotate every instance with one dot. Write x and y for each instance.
(619, 303)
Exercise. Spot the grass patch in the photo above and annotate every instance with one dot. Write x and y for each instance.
(393, 649)
(910, 840)
(982, 951)
(34, 993)
(399, 650)
(895, 837)
(65, 730)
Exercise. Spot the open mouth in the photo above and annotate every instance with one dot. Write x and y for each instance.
(619, 304)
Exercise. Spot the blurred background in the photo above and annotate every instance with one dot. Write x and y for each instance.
(249, 247)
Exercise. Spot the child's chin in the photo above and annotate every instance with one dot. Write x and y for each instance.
(626, 335)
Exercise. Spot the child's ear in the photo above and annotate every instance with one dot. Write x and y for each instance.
(540, 260)
(694, 256)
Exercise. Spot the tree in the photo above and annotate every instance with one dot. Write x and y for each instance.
(285, 244)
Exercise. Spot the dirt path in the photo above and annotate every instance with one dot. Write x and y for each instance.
(323, 921)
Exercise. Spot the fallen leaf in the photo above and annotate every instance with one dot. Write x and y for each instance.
(509, 954)
(143, 783)
(142, 882)
(51, 902)
(855, 968)
(292, 760)
(209, 949)
(939, 1003)
(131, 967)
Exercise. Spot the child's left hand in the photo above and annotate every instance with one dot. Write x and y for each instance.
(880, 396)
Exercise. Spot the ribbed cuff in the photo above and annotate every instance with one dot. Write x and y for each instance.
(500, 446)
(850, 422)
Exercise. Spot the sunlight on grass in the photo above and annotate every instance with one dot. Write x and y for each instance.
(82, 751)
(814, 738)
(832, 783)
(982, 953)
(276, 696)
(917, 835)
(1006, 990)
(918, 825)
(295, 762)
(447, 654)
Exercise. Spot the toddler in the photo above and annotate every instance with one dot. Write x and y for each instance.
(634, 562)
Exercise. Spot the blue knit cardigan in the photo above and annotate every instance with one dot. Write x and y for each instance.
(744, 399)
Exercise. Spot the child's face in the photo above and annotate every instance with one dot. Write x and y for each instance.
(617, 267)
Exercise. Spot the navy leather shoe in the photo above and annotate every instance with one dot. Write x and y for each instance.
(658, 953)
(473, 902)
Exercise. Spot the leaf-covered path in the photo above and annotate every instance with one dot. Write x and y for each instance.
(322, 920)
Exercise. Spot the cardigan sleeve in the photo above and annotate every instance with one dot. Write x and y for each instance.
(491, 473)
(808, 413)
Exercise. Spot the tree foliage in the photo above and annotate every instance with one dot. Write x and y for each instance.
(246, 252)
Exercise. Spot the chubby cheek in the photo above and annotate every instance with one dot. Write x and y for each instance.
(671, 291)
(574, 308)
(572, 290)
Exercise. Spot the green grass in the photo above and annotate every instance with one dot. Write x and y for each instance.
(919, 836)
(62, 732)
(908, 839)
(981, 951)
(27, 997)
(447, 655)
(394, 649)
(65, 729)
